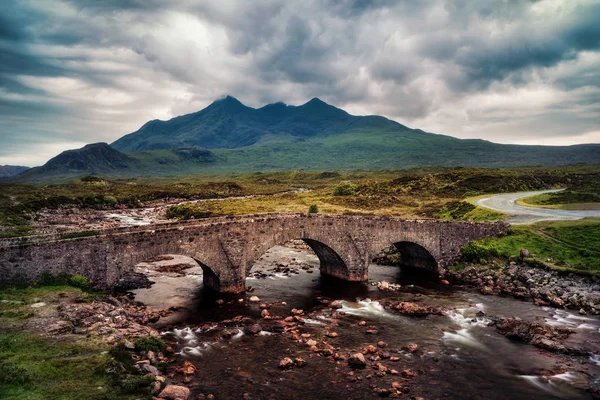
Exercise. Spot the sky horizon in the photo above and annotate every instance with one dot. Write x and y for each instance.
(74, 72)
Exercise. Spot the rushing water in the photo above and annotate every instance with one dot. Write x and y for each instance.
(459, 356)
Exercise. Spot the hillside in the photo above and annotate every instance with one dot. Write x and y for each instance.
(11, 170)
(102, 159)
(227, 123)
(229, 137)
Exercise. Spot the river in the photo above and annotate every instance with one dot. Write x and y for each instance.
(458, 357)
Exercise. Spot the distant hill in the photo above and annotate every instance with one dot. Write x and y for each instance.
(102, 159)
(229, 137)
(11, 170)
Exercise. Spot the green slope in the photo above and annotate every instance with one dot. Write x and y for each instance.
(229, 137)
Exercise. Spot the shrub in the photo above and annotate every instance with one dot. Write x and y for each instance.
(184, 212)
(150, 343)
(122, 355)
(345, 188)
(132, 384)
(110, 201)
(313, 209)
(477, 253)
(11, 373)
(79, 281)
(74, 235)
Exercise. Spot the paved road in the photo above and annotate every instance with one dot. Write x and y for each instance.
(526, 215)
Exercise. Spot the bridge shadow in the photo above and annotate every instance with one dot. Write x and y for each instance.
(407, 263)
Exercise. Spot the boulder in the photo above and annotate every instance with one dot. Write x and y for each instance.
(174, 392)
(286, 363)
(525, 253)
(357, 361)
(300, 362)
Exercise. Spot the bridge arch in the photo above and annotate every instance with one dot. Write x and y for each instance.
(331, 257)
(414, 255)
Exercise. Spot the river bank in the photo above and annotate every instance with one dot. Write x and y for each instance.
(543, 287)
(295, 334)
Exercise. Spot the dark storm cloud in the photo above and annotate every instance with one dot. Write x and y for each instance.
(490, 60)
(77, 71)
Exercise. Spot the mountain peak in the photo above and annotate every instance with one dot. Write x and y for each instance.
(95, 145)
(315, 101)
(228, 100)
(229, 103)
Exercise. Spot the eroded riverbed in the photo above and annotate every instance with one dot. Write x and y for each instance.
(237, 351)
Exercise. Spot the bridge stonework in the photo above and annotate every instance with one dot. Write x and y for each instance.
(226, 248)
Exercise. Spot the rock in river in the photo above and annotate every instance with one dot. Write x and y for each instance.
(357, 361)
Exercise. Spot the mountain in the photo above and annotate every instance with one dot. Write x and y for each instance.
(102, 159)
(11, 170)
(229, 137)
(228, 124)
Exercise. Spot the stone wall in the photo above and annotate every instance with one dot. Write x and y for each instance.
(228, 247)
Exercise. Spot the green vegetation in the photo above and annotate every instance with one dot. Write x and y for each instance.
(464, 211)
(569, 246)
(150, 343)
(70, 367)
(313, 209)
(79, 281)
(345, 188)
(35, 368)
(579, 196)
(416, 193)
(75, 235)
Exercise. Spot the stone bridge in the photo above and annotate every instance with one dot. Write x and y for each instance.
(226, 248)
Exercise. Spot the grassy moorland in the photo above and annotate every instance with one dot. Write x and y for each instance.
(580, 196)
(567, 246)
(424, 192)
(34, 366)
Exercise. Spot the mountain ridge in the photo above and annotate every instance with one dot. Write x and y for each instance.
(229, 137)
(11, 170)
(228, 123)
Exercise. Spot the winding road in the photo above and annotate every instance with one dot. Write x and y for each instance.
(526, 215)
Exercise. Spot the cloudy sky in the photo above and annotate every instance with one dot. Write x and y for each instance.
(79, 71)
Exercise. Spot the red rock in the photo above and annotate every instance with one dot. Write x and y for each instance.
(173, 392)
(370, 349)
(411, 347)
(357, 361)
(187, 369)
(286, 363)
(408, 373)
(300, 362)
